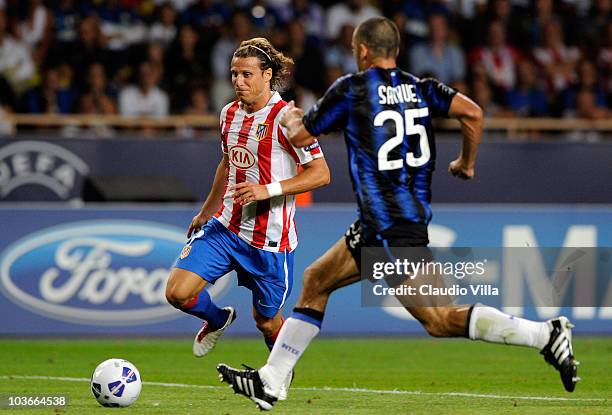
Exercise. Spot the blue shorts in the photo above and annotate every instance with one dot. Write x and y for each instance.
(214, 251)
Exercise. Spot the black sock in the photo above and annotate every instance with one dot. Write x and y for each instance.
(467, 323)
(310, 315)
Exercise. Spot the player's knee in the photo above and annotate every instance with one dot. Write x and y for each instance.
(312, 279)
(314, 287)
(177, 297)
(169, 295)
(265, 325)
(172, 299)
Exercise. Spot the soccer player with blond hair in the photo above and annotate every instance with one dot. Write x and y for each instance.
(247, 222)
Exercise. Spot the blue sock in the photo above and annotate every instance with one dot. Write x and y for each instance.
(269, 343)
(203, 307)
(271, 340)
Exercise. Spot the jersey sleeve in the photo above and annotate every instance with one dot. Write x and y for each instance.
(331, 112)
(437, 95)
(301, 155)
(222, 127)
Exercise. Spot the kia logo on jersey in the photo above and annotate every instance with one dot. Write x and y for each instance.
(241, 157)
(100, 272)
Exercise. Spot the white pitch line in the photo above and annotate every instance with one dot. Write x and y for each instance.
(66, 379)
(328, 389)
(449, 394)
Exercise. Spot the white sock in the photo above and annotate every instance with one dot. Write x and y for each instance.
(491, 325)
(292, 341)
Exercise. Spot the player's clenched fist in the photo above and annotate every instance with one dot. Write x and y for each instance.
(292, 120)
(458, 169)
(197, 222)
(247, 192)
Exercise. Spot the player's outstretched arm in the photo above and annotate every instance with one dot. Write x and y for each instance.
(471, 118)
(313, 175)
(213, 200)
(296, 132)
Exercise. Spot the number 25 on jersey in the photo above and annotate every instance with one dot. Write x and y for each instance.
(404, 126)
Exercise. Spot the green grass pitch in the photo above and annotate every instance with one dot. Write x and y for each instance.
(335, 376)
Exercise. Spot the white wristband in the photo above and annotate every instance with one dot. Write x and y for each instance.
(274, 189)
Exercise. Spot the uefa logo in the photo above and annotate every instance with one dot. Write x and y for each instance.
(105, 272)
(45, 166)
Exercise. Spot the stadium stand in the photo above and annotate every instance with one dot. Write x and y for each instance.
(517, 58)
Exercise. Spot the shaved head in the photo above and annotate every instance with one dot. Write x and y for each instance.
(380, 35)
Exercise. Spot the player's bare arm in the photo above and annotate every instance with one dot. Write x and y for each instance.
(296, 132)
(471, 118)
(314, 175)
(213, 200)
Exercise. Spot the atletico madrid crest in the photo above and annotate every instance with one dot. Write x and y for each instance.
(261, 132)
(185, 252)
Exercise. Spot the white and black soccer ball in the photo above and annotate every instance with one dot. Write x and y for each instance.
(116, 383)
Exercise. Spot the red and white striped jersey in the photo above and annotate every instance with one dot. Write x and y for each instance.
(259, 152)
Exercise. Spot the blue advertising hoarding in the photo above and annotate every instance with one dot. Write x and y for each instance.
(60, 169)
(101, 269)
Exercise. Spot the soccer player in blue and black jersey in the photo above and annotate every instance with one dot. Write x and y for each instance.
(386, 117)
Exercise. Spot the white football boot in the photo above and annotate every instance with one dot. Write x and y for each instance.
(206, 340)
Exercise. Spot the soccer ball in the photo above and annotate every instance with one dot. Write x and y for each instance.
(116, 382)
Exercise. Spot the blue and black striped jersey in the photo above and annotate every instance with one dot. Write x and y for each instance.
(385, 115)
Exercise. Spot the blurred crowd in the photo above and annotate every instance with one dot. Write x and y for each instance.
(159, 57)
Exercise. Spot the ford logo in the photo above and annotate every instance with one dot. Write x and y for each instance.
(105, 272)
